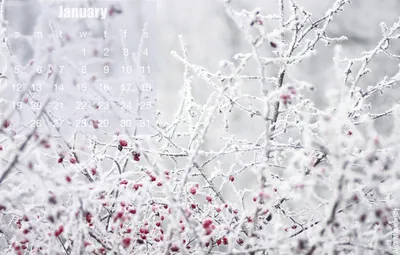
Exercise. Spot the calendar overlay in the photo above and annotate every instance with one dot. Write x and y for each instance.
(82, 67)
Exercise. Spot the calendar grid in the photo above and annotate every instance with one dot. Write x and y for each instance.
(92, 75)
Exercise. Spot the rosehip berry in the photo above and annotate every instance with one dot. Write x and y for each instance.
(93, 170)
(6, 123)
(59, 231)
(136, 156)
(225, 240)
(88, 218)
(126, 242)
(95, 124)
(123, 143)
(174, 248)
(207, 223)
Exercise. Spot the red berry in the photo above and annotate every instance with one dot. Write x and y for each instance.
(88, 218)
(207, 223)
(136, 156)
(231, 178)
(193, 190)
(174, 248)
(93, 170)
(68, 179)
(123, 143)
(6, 123)
(95, 124)
(126, 242)
(59, 231)
(209, 199)
(72, 160)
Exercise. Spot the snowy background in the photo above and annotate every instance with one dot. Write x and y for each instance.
(235, 138)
